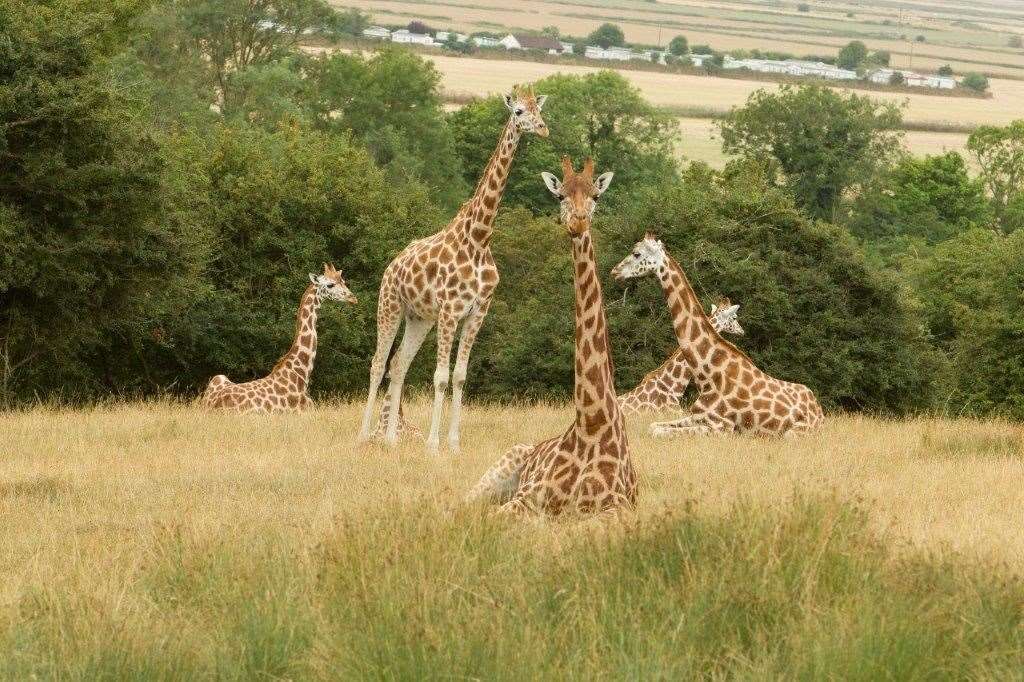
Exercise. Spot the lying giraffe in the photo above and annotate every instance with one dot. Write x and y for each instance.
(285, 388)
(445, 279)
(735, 396)
(588, 468)
(663, 388)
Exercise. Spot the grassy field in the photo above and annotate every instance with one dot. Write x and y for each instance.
(969, 37)
(158, 542)
(700, 142)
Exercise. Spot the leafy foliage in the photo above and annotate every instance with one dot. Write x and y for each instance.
(852, 55)
(999, 153)
(599, 115)
(607, 35)
(824, 142)
(679, 46)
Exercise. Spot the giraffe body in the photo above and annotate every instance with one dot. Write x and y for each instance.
(446, 279)
(285, 389)
(588, 468)
(662, 388)
(735, 395)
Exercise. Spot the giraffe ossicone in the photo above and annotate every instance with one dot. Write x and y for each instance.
(446, 279)
(588, 468)
(735, 395)
(286, 388)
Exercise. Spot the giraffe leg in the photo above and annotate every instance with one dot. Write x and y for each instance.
(415, 331)
(499, 483)
(388, 321)
(698, 424)
(470, 328)
(446, 325)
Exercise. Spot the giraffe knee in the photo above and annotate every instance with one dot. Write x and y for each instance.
(458, 377)
(441, 378)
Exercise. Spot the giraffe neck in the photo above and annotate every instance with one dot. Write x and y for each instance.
(483, 206)
(594, 390)
(298, 361)
(689, 321)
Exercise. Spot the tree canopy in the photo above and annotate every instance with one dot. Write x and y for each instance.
(607, 35)
(825, 142)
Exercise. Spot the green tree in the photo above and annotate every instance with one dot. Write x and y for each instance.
(926, 199)
(607, 35)
(881, 57)
(88, 256)
(999, 155)
(551, 31)
(975, 81)
(600, 115)
(702, 49)
(353, 21)
(946, 70)
(970, 289)
(853, 55)
(233, 35)
(897, 78)
(679, 46)
(825, 142)
(390, 101)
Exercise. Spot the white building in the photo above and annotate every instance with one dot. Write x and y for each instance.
(700, 59)
(913, 79)
(442, 36)
(567, 48)
(377, 32)
(404, 36)
(483, 41)
(621, 54)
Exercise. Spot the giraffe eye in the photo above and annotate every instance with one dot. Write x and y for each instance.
(519, 111)
(561, 197)
(636, 254)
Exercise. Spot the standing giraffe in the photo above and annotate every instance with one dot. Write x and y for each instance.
(734, 394)
(663, 388)
(446, 278)
(285, 388)
(588, 468)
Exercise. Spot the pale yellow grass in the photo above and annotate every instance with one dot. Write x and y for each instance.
(462, 75)
(85, 495)
(640, 25)
(700, 141)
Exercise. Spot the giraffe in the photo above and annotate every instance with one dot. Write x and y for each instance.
(446, 278)
(663, 388)
(588, 468)
(285, 388)
(735, 396)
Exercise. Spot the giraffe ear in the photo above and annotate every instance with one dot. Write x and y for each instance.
(312, 278)
(554, 185)
(603, 181)
(540, 101)
(510, 102)
(714, 308)
(732, 310)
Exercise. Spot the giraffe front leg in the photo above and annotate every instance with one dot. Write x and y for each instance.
(499, 482)
(415, 332)
(470, 329)
(446, 325)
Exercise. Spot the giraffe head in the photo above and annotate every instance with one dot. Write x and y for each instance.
(725, 317)
(525, 108)
(577, 193)
(647, 256)
(331, 285)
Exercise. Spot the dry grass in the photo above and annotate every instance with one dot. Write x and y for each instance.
(728, 26)
(159, 542)
(468, 76)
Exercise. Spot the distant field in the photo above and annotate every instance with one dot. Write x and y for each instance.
(700, 142)
(967, 37)
(487, 76)
(160, 542)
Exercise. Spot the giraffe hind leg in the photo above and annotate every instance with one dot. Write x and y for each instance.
(698, 424)
(416, 331)
(388, 321)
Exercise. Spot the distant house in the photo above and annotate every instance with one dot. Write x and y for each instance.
(791, 67)
(567, 48)
(377, 33)
(404, 36)
(913, 79)
(442, 36)
(621, 54)
(700, 59)
(484, 41)
(526, 41)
